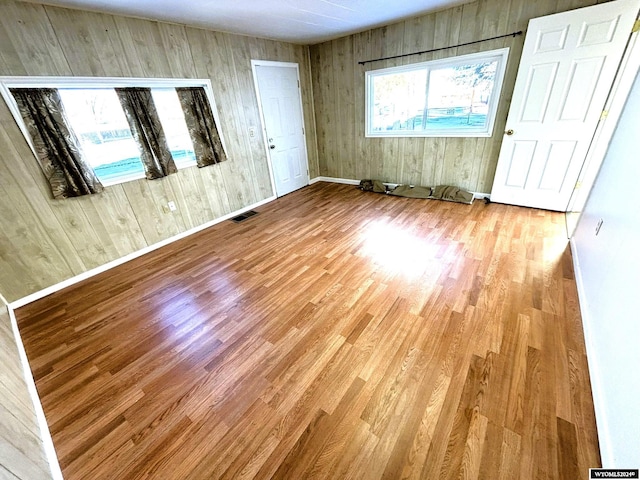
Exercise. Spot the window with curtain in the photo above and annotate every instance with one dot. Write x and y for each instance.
(55, 144)
(119, 129)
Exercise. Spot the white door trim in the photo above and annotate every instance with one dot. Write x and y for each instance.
(269, 63)
(616, 101)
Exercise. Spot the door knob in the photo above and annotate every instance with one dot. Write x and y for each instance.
(509, 132)
(272, 147)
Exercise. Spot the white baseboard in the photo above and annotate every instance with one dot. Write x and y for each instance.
(119, 261)
(346, 181)
(349, 181)
(481, 196)
(45, 434)
(606, 454)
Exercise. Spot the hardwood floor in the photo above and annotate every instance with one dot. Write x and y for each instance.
(337, 334)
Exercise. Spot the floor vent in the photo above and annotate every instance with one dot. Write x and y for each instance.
(243, 216)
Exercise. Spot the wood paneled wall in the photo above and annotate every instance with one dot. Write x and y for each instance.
(21, 452)
(339, 94)
(42, 241)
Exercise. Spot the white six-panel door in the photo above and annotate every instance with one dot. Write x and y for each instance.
(281, 107)
(567, 67)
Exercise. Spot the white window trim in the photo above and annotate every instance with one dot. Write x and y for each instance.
(501, 54)
(7, 82)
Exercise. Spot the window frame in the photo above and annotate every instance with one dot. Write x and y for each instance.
(8, 82)
(501, 54)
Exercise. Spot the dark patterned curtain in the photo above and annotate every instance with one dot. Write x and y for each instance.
(56, 146)
(146, 128)
(202, 126)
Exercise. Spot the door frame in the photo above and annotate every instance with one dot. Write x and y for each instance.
(269, 63)
(628, 69)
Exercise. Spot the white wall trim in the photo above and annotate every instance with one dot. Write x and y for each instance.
(481, 196)
(45, 434)
(119, 261)
(348, 181)
(622, 84)
(606, 454)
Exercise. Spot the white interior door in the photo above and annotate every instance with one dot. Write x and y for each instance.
(281, 106)
(567, 67)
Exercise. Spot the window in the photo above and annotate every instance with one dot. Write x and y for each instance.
(94, 113)
(453, 97)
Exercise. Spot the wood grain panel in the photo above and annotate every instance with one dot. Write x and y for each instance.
(337, 334)
(326, 129)
(245, 96)
(343, 48)
(29, 222)
(176, 45)
(45, 242)
(466, 163)
(33, 39)
(88, 47)
(361, 49)
(21, 452)
(302, 57)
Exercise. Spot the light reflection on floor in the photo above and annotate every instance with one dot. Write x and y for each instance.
(178, 306)
(397, 250)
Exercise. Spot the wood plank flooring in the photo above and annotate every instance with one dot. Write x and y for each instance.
(337, 334)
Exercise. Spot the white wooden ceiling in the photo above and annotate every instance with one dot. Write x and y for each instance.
(297, 21)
